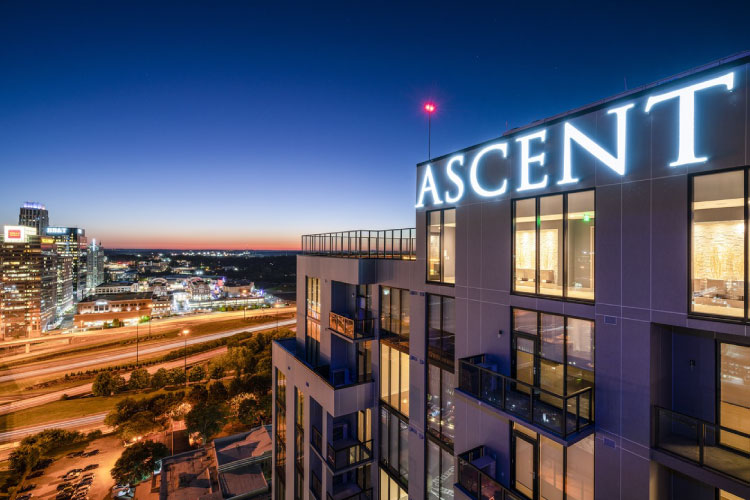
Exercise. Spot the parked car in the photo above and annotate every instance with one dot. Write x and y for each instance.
(91, 467)
(91, 453)
(35, 474)
(24, 497)
(62, 486)
(26, 488)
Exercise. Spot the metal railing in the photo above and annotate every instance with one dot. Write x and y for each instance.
(364, 244)
(561, 415)
(704, 443)
(475, 482)
(316, 440)
(355, 329)
(343, 456)
(361, 495)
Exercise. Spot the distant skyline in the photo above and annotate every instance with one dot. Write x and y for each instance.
(230, 125)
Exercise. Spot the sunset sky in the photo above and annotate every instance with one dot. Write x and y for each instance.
(231, 125)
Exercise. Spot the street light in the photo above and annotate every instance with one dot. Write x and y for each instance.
(185, 333)
(430, 108)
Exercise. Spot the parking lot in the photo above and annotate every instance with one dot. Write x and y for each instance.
(109, 450)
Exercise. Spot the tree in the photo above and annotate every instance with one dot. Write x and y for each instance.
(198, 395)
(140, 424)
(105, 384)
(217, 393)
(137, 462)
(217, 372)
(23, 458)
(248, 411)
(160, 379)
(176, 376)
(196, 373)
(139, 379)
(207, 420)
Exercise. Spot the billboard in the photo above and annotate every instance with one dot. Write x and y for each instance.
(17, 234)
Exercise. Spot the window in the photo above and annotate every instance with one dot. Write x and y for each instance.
(718, 244)
(312, 342)
(553, 245)
(390, 489)
(441, 246)
(281, 387)
(394, 378)
(394, 444)
(734, 405)
(312, 305)
(440, 405)
(540, 465)
(553, 352)
(299, 444)
(394, 312)
(280, 448)
(440, 471)
(441, 332)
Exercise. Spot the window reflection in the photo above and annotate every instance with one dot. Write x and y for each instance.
(734, 410)
(441, 246)
(525, 246)
(550, 245)
(580, 268)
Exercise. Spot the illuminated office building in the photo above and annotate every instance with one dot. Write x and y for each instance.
(33, 214)
(94, 266)
(567, 320)
(71, 242)
(27, 281)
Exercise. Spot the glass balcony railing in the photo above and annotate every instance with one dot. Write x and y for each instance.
(316, 440)
(344, 494)
(348, 453)
(355, 329)
(474, 479)
(708, 445)
(563, 416)
(398, 244)
(337, 378)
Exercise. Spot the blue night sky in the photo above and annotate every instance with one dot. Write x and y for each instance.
(234, 125)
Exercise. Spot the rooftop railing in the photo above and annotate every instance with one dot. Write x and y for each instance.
(708, 445)
(355, 329)
(363, 244)
(475, 481)
(563, 416)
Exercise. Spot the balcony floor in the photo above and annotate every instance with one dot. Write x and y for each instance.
(716, 457)
(545, 415)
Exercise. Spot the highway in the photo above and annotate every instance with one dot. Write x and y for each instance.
(88, 423)
(86, 388)
(26, 372)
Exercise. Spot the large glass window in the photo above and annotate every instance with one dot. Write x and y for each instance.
(312, 341)
(280, 448)
(441, 246)
(394, 378)
(718, 244)
(555, 471)
(390, 489)
(313, 297)
(440, 472)
(440, 403)
(441, 331)
(299, 444)
(394, 444)
(734, 408)
(394, 313)
(553, 237)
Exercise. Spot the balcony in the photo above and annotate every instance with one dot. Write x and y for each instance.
(400, 244)
(562, 416)
(708, 445)
(475, 476)
(341, 391)
(354, 329)
(346, 453)
(350, 492)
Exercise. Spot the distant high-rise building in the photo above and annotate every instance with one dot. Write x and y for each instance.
(33, 214)
(64, 289)
(94, 266)
(71, 242)
(27, 283)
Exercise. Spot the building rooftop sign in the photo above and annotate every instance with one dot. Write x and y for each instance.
(677, 125)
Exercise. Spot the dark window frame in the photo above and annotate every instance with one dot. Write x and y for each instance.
(564, 297)
(442, 367)
(394, 473)
(441, 447)
(403, 292)
(441, 356)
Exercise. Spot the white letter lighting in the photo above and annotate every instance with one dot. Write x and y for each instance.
(455, 179)
(428, 185)
(526, 160)
(481, 191)
(686, 96)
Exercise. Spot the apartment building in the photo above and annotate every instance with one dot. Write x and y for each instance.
(567, 320)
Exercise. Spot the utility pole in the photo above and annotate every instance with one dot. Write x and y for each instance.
(429, 108)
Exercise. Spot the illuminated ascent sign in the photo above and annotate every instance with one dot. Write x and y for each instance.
(529, 155)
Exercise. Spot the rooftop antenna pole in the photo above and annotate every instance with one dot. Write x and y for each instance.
(430, 108)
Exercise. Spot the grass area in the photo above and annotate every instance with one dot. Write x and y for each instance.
(72, 408)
